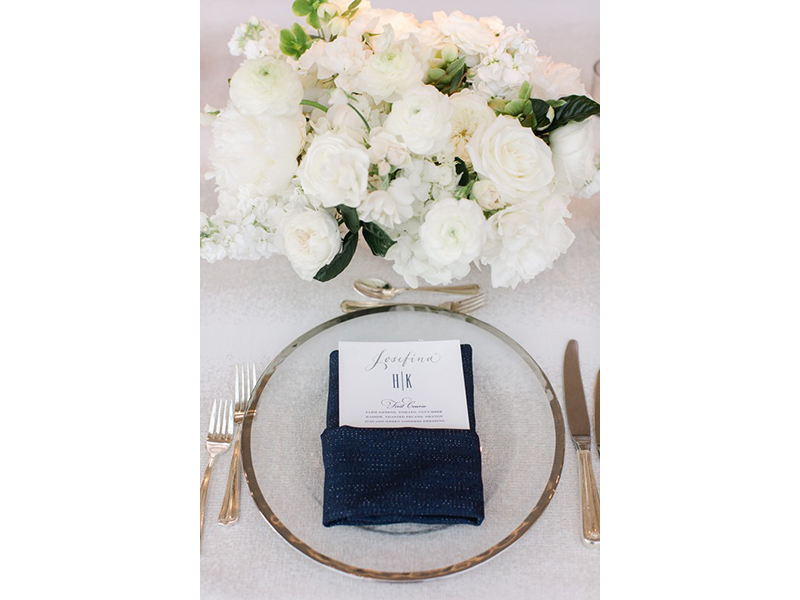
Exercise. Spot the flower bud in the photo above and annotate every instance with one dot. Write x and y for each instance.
(498, 104)
(435, 74)
(327, 9)
(339, 25)
(450, 53)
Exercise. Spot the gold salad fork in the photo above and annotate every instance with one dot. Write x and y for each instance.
(465, 306)
(220, 435)
(245, 381)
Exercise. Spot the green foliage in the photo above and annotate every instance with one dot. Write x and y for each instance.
(463, 171)
(377, 239)
(341, 260)
(295, 41)
(349, 216)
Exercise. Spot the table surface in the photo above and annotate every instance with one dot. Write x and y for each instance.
(250, 310)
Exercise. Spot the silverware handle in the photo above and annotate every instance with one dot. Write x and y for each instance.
(229, 513)
(466, 290)
(590, 500)
(204, 493)
(354, 305)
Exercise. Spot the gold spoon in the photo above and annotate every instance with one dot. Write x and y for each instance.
(381, 290)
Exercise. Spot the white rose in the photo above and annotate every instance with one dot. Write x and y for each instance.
(266, 85)
(526, 239)
(453, 231)
(486, 194)
(519, 163)
(469, 112)
(422, 120)
(334, 171)
(389, 207)
(259, 151)
(389, 73)
(573, 154)
(310, 239)
(469, 34)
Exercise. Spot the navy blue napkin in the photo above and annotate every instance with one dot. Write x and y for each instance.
(378, 476)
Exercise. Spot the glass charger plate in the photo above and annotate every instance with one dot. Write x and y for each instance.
(518, 419)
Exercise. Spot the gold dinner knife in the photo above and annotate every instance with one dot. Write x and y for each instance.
(578, 418)
(597, 413)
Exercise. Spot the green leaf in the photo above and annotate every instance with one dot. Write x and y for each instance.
(301, 8)
(461, 169)
(351, 10)
(313, 19)
(377, 239)
(540, 110)
(341, 260)
(575, 108)
(300, 34)
(350, 216)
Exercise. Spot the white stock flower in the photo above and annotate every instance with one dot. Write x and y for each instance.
(385, 146)
(255, 39)
(469, 34)
(573, 154)
(266, 85)
(343, 57)
(389, 72)
(334, 171)
(309, 239)
(422, 119)
(255, 151)
(486, 194)
(453, 231)
(551, 80)
(518, 163)
(526, 239)
(391, 207)
(469, 112)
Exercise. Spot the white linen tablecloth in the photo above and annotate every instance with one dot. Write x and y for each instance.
(251, 310)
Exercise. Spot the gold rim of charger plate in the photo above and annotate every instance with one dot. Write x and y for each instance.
(401, 576)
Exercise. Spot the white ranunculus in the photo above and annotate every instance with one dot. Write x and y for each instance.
(310, 239)
(469, 112)
(255, 151)
(469, 34)
(422, 119)
(389, 207)
(518, 163)
(573, 154)
(486, 194)
(526, 239)
(266, 85)
(453, 231)
(334, 171)
(388, 73)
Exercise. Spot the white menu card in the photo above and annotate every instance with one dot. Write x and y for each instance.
(402, 384)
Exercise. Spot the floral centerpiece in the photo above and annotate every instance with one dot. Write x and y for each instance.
(442, 144)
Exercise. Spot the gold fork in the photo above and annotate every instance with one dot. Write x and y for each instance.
(245, 380)
(465, 306)
(220, 435)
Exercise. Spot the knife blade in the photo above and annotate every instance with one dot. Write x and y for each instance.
(597, 412)
(578, 418)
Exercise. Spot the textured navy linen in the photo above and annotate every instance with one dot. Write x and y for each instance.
(378, 476)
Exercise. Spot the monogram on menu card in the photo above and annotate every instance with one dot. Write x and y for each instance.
(402, 384)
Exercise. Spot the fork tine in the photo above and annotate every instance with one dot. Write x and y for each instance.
(471, 304)
(229, 422)
(213, 421)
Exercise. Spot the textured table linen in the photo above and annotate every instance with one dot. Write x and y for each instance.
(251, 310)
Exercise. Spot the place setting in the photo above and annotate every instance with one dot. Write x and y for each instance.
(406, 434)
